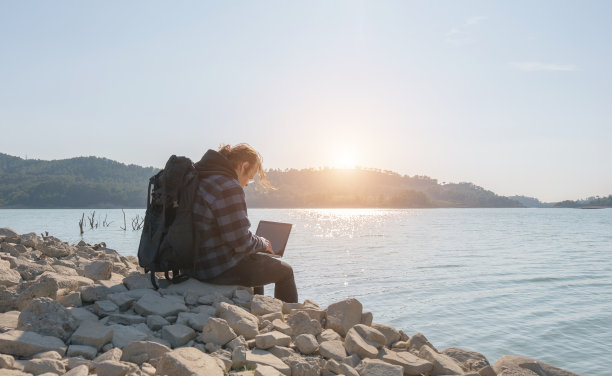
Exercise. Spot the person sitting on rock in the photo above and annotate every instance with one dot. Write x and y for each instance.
(228, 253)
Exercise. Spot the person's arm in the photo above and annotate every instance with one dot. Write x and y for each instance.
(230, 212)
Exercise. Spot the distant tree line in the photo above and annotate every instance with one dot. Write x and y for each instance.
(605, 202)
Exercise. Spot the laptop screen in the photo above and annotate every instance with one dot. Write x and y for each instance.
(277, 233)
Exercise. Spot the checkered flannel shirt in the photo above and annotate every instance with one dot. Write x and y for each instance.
(220, 218)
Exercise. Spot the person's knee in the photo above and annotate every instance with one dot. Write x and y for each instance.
(286, 271)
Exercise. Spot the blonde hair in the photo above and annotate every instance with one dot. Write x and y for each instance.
(245, 153)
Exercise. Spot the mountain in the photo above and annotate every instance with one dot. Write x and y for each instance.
(531, 202)
(92, 182)
(83, 182)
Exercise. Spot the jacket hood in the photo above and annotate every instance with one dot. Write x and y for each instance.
(213, 163)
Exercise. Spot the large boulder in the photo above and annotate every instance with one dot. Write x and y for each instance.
(379, 368)
(92, 333)
(122, 335)
(364, 341)
(306, 343)
(143, 351)
(274, 338)
(40, 366)
(157, 305)
(412, 364)
(178, 334)
(98, 270)
(301, 323)
(468, 360)
(343, 315)
(47, 317)
(9, 233)
(333, 350)
(8, 277)
(217, 331)
(390, 333)
(9, 321)
(242, 322)
(258, 357)
(188, 361)
(26, 344)
(262, 305)
(442, 364)
(522, 366)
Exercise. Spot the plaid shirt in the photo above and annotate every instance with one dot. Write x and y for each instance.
(222, 225)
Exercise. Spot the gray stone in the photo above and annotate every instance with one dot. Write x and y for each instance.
(390, 333)
(188, 361)
(98, 270)
(9, 277)
(271, 339)
(48, 355)
(87, 352)
(304, 366)
(242, 296)
(122, 300)
(92, 293)
(114, 368)
(262, 305)
(333, 350)
(442, 364)
(30, 240)
(105, 307)
(239, 357)
(343, 315)
(26, 344)
(513, 365)
(72, 299)
(413, 365)
(138, 282)
(301, 323)
(65, 270)
(125, 319)
(196, 321)
(7, 232)
(82, 314)
(258, 357)
(306, 343)
(156, 322)
(236, 342)
(199, 288)
(178, 334)
(81, 370)
(155, 305)
(122, 335)
(9, 321)
(241, 321)
(40, 366)
(111, 354)
(468, 360)
(217, 331)
(56, 250)
(91, 333)
(379, 368)
(73, 362)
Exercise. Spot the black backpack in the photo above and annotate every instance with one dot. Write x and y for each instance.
(168, 239)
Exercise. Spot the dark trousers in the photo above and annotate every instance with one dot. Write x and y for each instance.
(257, 270)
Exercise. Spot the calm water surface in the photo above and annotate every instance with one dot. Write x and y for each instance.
(532, 282)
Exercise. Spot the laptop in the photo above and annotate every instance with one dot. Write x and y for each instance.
(277, 233)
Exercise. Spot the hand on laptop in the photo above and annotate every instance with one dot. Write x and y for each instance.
(268, 247)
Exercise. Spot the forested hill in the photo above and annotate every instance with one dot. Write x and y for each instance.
(91, 182)
(328, 188)
(83, 182)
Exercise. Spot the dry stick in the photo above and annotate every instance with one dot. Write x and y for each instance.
(124, 225)
(91, 219)
(81, 223)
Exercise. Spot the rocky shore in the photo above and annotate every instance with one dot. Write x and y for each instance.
(86, 310)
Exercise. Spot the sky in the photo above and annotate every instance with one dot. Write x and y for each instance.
(513, 96)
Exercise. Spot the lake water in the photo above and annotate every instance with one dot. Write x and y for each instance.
(531, 282)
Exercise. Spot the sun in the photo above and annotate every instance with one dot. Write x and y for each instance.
(344, 159)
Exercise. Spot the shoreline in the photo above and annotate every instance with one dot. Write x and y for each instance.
(89, 310)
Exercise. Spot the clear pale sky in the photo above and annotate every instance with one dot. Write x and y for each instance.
(514, 96)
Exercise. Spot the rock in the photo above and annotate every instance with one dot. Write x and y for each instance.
(30, 240)
(122, 300)
(82, 370)
(91, 333)
(301, 323)
(73, 299)
(513, 365)
(282, 327)
(112, 354)
(442, 364)
(92, 293)
(379, 368)
(125, 319)
(76, 362)
(114, 368)
(87, 352)
(82, 314)
(40, 366)
(272, 316)
(98, 270)
(217, 331)
(199, 288)
(271, 339)
(56, 250)
(241, 321)
(306, 343)
(147, 369)
(468, 360)
(155, 305)
(266, 371)
(304, 366)
(188, 361)
(364, 341)
(6, 361)
(417, 341)
(143, 351)
(343, 315)
(9, 321)
(340, 368)
(486, 371)
(48, 355)
(156, 322)
(178, 334)
(262, 305)
(26, 344)
(413, 365)
(239, 357)
(138, 281)
(7, 232)
(65, 270)
(105, 307)
(333, 350)
(122, 335)
(390, 333)
(9, 277)
(328, 335)
(258, 357)
(196, 321)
